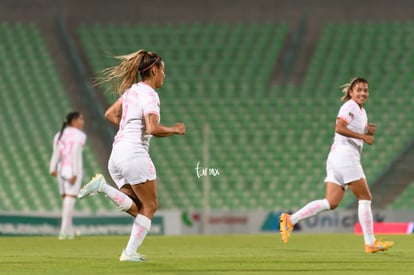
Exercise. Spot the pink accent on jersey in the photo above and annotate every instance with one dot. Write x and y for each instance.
(357, 120)
(151, 165)
(69, 138)
(344, 118)
(137, 101)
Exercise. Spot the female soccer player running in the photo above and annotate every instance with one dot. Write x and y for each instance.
(66, 166)
(137, 112)
(344, 169)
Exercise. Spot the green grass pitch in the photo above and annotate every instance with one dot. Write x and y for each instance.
(224, 254)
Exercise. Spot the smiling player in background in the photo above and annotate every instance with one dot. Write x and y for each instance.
(344, 169)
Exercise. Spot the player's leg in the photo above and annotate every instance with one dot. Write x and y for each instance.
(334, 195)
(98, 185)
(71, 191)
(67, 232)
(62, 194)
(361, 191)
(136, 205)
(67, 208)
(147, 194)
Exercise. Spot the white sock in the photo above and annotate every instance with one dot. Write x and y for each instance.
(309, 210)
(140, 229)
(366, 221)
(68, 206)
(121, 200)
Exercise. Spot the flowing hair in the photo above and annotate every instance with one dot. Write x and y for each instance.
(347, 88)
(122, 76)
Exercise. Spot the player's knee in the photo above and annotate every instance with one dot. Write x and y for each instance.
(150, 207)
(154, 205)
(333, 205)
(365, 197)
(369, 197)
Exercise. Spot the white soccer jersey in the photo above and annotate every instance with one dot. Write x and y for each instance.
(67, 152)
(357, 120)
(137, 101)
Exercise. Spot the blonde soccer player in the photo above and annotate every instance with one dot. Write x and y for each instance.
(137, 112)
(344, 169)
(66, 165)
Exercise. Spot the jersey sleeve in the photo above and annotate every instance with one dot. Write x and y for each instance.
(346, 112)
(82, 139)
(151, 103)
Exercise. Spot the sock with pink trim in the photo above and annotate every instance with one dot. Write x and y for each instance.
(309, 210)
(366, 221)
(140, 229)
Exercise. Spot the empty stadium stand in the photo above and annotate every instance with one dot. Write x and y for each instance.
(270, 143)
(405, 200)
(33, 104)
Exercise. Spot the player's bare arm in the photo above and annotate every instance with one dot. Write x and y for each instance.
(371, 129)
(343, 130)
(114, 113)
(158, 130)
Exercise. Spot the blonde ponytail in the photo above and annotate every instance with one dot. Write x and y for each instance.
(124, 75)
(346, 88)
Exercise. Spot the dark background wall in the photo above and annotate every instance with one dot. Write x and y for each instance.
(316, 13)
(319, 11)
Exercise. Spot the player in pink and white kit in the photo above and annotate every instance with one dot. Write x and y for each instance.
(66, 165)
(344, 169)
(137, 112)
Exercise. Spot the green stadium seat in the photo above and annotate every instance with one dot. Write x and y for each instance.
(267, 141)
(36, 114)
